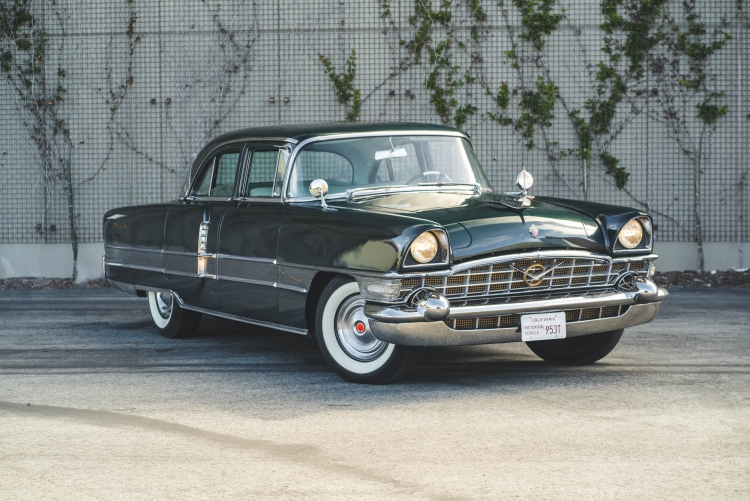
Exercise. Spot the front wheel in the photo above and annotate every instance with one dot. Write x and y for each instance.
(582, 350)
(347, 343)
(170, 319)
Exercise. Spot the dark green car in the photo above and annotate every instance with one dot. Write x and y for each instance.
(380, 239)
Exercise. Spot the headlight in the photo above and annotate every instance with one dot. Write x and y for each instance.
(631, 234)
(424, 248)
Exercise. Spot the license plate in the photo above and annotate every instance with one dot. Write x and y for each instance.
(541, 326)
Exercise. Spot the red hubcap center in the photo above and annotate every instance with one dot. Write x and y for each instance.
(360, 327)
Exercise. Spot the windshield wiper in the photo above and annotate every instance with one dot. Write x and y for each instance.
(446, 184)
(474, 186)
(405, 188)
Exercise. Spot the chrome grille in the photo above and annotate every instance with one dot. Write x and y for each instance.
(509, 321)
(508, 277)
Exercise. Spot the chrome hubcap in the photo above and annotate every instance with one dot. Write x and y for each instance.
(353, 331)
(164, 304)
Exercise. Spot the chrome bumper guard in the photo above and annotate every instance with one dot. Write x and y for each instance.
(420, 323)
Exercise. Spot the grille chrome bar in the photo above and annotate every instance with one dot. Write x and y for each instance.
(514, 320)
(507, 277)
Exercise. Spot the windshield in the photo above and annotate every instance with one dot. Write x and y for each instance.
(386, 161)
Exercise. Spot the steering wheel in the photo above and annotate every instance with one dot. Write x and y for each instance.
(426, 173)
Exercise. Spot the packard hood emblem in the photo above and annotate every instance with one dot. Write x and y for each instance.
(534, 274)
(534, 231)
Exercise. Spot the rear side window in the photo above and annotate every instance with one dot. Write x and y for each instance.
(204, 186)
(260, 178)
(226, 171)
(219, 175)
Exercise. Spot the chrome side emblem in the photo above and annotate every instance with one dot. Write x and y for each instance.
(534, 231)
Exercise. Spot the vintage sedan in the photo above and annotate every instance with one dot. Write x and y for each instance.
(380, 239)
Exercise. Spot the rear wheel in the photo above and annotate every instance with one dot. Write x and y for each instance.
(581, 350)
(170, 319)
(347, 343)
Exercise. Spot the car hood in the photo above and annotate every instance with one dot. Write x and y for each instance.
(483, 224)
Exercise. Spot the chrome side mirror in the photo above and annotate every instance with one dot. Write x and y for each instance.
(319, 189)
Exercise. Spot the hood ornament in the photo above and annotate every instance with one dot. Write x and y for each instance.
(534, 231)
(524, 181)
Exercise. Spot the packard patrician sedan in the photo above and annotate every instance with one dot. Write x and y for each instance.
(378, 240)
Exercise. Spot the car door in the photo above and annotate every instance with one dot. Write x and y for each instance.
(249, 234)
(191, 233)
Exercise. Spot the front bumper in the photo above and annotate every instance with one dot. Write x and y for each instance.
(423, 325)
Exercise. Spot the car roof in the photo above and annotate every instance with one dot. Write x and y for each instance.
(301, 131)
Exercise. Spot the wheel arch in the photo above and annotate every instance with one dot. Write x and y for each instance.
(319, 282)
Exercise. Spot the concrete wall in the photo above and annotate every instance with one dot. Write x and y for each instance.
(50, 260)
(143, 96)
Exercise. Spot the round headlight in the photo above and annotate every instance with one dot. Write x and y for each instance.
(425, 247)
(631, 234)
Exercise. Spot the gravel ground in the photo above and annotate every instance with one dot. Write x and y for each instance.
(94, 404)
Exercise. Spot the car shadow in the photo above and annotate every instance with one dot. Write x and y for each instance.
(448, 365)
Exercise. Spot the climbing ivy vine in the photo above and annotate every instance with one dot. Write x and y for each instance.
(682, 68)
(343, 84)
(432, 35)
(650, 52)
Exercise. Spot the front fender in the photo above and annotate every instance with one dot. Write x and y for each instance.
(345, 238)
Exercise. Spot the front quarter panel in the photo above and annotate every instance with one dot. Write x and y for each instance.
(346, 238)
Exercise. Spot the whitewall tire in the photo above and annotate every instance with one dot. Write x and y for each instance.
(170, 319)
(348, 345)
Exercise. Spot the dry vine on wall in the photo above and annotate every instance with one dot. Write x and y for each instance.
(40, 90)
(209, 81)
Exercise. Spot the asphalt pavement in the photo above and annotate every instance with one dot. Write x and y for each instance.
(94, 404)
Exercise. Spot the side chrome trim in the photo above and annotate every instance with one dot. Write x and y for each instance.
(134, 266)
(246, 280)
(228, 316)
(439, 334)
(292, 288)
(343, 271)
(180, 253)
(243, 258)
(151, 289)
(129, 248)
(262, 282)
